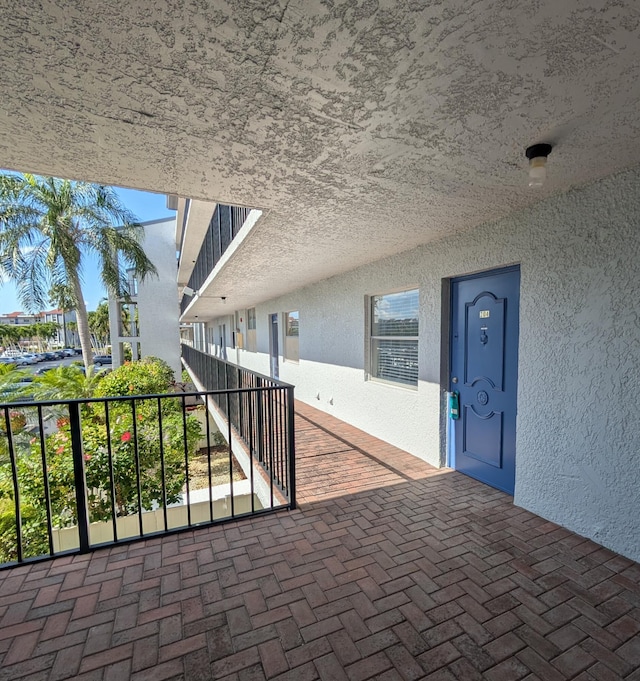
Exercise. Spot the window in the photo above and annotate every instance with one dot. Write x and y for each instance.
(128, 320)
(393, 350)
(252, 343)
(291, 335)
(238, 336)
(131, 287)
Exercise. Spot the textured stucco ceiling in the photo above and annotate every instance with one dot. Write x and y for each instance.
(362, 128)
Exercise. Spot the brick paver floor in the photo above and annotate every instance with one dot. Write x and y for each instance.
(389, 570)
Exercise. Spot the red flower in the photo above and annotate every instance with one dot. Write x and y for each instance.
(60, 449)
(125, 437)
(87, 457)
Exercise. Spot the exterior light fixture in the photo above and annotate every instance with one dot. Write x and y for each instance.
(537, 155)
(188, 291)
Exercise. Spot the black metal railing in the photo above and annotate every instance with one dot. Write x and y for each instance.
(259, 410)
(79, 474)
(223, 227)
(184, 303)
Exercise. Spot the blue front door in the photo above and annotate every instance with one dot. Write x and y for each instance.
(484, 373)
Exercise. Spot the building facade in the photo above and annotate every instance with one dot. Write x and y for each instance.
(146, 322)
(377, 347)
(66, 335)
(20, 318)
(384, 144)
(64, 320)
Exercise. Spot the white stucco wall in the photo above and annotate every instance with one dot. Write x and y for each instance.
(158, 310)
(578, 435)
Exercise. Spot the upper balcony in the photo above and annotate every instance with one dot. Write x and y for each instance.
(207, 234)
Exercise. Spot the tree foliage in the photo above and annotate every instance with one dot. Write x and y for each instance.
(134, 453)
(66, 383)
(11, 334)
(99, 322)
(149, 376)
(47, 228)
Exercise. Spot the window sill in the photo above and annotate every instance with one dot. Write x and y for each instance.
(391, 384)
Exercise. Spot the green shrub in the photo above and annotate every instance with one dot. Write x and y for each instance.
(132, 426)
(149, 376)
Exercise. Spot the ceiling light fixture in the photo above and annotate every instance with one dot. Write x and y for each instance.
(537, 155)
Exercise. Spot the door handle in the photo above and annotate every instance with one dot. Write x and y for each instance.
(454, 379)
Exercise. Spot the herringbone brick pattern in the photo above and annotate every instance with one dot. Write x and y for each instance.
(389, 570)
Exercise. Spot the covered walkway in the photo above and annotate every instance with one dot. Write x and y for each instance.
(388, 570)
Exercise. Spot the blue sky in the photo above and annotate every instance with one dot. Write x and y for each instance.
(144, 205)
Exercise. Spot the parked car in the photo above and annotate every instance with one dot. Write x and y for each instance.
(99, 360)
(59, 354)
(49, 356)
(26, 359)
(12, 353)
(8, 360)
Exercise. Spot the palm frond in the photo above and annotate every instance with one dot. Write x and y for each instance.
(48, 226)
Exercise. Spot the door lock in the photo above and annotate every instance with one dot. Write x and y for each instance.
(454, 379)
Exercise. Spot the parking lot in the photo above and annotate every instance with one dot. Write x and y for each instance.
(50, 364)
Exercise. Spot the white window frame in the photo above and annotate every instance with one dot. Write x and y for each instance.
(291, 350)
(371, 339)
(252, 333)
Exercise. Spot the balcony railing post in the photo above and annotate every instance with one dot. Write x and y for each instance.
(259, 414)
(291, 447)
(79, 476)
(240, 398)
(16, 483)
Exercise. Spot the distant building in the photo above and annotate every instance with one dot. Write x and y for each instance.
(21, 318)
(65, 336)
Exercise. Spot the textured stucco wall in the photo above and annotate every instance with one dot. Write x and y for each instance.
(157, 300)
(339, 119)
(158, 297)
(578, 433)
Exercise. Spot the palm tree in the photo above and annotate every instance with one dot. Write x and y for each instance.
(10, 377)
(66, 383)
(47, 228)
(61, 296)
(99, 323)
(9, 334)
(42, 331)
